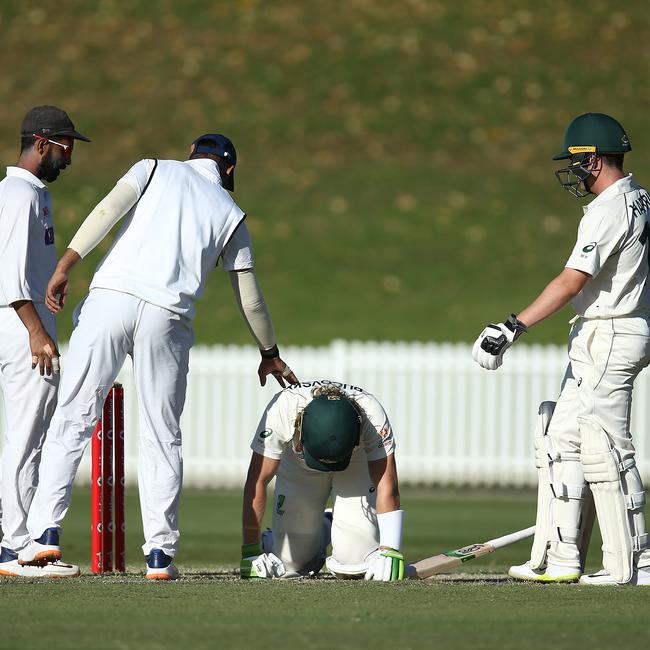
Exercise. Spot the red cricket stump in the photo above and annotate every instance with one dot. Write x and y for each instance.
(108, 476)
(118, 437)
(97, 562)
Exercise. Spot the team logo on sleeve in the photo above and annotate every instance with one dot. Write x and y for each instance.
(49, 236)
(265, 434)
(589, 247)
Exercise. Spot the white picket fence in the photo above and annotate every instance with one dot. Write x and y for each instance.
(455, 424)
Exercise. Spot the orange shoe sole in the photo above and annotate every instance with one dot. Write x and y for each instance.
(42, 558)
(159, 576)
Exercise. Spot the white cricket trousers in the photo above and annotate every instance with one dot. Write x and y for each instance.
(301, 495)
(29, 400)
(606, 356)
(111, 325)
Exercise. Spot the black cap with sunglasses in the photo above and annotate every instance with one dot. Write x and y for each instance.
(49, 122)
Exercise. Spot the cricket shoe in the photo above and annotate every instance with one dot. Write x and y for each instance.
(160, 566)
(42, 550)
(9, 567)
(552, 573)
(602, 578)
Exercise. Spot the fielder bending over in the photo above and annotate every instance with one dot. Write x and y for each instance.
(322, 440)
(181, 221)
(583, 445)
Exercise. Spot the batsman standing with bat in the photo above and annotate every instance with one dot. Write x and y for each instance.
(322, 440)
(584, 446)
(180, 222)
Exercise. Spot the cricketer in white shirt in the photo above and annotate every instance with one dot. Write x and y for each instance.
(179, 222)
(584, 445)
(27, 260)
(368, 485)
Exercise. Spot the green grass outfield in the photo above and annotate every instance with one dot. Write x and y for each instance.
(394, 157)
(211, 608)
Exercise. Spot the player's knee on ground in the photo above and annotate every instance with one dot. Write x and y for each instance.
(346, 571)
(297, 550)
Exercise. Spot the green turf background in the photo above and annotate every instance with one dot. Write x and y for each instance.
(394, 156)
(395, 166)
(209, 607)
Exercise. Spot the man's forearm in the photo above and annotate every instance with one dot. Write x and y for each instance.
(387, 498)
(28, 315)
(253, 308)
(253, 512)
(69, 258)
(383, 473)
(558, 293)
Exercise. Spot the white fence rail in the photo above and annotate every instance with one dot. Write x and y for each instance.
(454, 423)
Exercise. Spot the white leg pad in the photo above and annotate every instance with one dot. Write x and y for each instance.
(560, 480)
(543, 521)
(587, 519)
(349, 571)
(619, 497)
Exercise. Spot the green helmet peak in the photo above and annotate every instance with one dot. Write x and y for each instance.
(330, 431)
(594, 133)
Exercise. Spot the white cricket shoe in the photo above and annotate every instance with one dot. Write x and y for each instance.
(42, 550)
(160, 566)
(9, 566)
(552, 573)
(639, 577)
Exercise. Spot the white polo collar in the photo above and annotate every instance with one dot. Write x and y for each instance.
(207, 167)
(622, 185)
(26, 175)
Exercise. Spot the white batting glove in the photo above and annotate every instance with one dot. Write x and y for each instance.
(256, 564)
(267, 565)
(494, 340)
(275, 566)
(385, 565)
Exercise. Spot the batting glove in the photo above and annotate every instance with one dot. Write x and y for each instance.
(255, 564)
(494, 340)
(385, 565)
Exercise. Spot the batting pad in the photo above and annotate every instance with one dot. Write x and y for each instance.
(544, 492)
(349, 571)
(619, 497)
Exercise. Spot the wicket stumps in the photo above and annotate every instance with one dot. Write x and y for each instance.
(107, 493)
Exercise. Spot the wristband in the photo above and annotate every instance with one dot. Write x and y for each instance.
(248, 550)
(515, 326)
(390, 529)
(272, 353)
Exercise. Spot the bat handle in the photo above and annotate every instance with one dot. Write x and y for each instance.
(500, 542)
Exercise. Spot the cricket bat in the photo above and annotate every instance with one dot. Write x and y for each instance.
(444, 562)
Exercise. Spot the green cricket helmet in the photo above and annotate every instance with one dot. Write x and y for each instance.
(331, 428)
(588, 135)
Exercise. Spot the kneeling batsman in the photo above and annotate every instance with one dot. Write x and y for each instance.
(323, 440)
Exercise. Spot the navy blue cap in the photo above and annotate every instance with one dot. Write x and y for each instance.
(218, 145)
